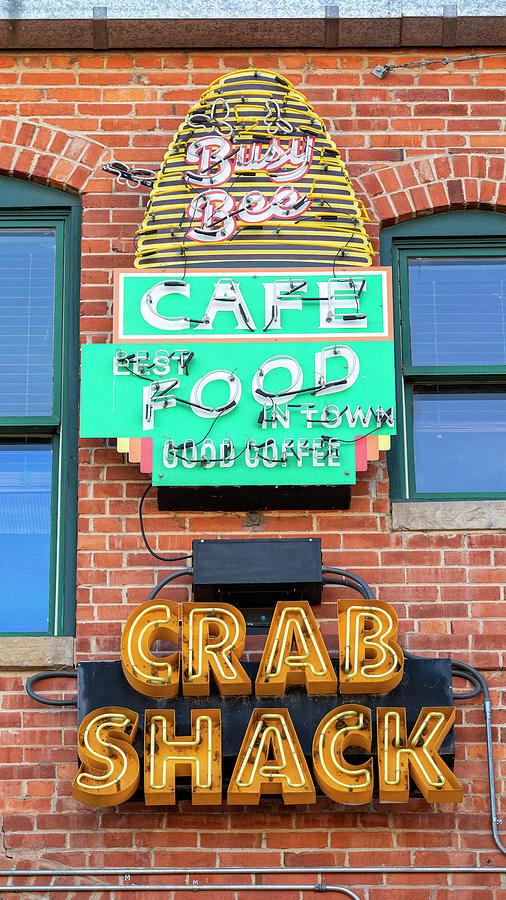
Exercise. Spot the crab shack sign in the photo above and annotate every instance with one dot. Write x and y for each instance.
(298, 720)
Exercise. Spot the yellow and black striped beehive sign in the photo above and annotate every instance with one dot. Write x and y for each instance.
(252, 177)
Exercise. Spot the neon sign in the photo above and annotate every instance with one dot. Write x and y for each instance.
(290, 361)
(252, 173)
(252, 378)
(270, 758)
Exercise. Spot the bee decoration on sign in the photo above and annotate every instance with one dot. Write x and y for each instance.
(131, 177)
(252, 175)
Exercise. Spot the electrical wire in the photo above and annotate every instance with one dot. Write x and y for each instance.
(345, 582)
(40, 676)
(161, 584)
(359, 437)
(381, 71)
(185, 257)
(158, 396)
(341, 250)
(345, 573)
(458, 673)
(218, 459)
(144, 538)
(208, 432)
(183, 247)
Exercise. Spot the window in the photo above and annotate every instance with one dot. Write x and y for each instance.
(39, 252)
(449, 275)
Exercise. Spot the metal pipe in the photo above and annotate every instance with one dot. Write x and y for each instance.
(319, 887)
(90, 888)
(491, 782)
(463, 669)
(268, 870)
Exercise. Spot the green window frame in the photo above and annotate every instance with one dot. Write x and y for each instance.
(25, 205)
(466, 233)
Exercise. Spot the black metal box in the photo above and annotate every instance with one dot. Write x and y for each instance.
(257, 572)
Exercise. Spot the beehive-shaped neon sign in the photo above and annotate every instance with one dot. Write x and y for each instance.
(252, 176)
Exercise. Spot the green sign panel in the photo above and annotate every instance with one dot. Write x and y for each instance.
(249, 379)
(267, 306)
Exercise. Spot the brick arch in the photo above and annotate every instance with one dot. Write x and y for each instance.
(434, 183)
(44, 153)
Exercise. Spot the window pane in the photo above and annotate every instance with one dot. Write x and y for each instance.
(27, 284)
(25, 519)
(457, 311)
(460, 439)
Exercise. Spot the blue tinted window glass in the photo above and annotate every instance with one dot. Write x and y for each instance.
(27, 286)
(460, 439)
(25, 518)
(457, 311)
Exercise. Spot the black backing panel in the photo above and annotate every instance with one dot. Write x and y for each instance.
(254, 497)
(426, 682)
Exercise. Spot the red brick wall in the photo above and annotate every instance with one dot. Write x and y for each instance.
(420, 140)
